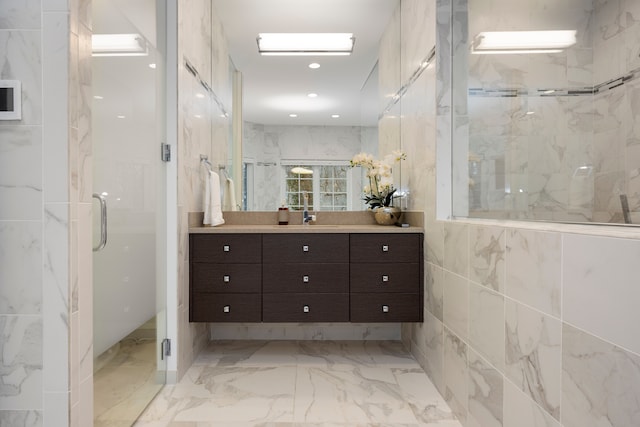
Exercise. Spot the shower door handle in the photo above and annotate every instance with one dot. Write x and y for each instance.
(103, 222)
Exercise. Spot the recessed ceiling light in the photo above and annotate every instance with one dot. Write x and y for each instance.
(197, 116)
(98, 97)
(335, 116)
(153, 66)
(120, 116)
(199, 95)
(312, 95)
(530, 113)
(314, 65)
(305, 43)
(293, 115)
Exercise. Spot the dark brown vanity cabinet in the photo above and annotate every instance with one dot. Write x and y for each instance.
(225, 277)
(306, 277)
(386, 277)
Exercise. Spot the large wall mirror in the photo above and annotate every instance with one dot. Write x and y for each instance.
(288, 129)
(546, 120)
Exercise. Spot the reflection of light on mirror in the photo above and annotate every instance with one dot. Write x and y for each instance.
(299, 103)
(98, 97)
(335, 116)
(120, 116)
(312, 95)
(104, 193)
(199, 95)
(530, 113)
(197, 116)
(314, 65)
(293, 115)
(301, 171)
(152, 66)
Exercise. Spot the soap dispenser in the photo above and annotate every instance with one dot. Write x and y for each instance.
(283, 214)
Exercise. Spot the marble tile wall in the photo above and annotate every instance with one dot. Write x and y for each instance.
(526, 324)
(45, 218)
(201, 131)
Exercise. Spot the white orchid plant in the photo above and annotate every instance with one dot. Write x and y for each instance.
(379, 192)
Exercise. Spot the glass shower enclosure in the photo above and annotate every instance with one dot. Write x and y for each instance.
(127, 130)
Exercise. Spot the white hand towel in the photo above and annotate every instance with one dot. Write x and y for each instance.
(230, 196)
(212, 204)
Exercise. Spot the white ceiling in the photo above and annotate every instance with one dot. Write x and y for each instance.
(275, 86)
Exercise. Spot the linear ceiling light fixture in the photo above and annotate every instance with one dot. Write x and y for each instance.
(118, 45)
(305, 43)
(504, 42)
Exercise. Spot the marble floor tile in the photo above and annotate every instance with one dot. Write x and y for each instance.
(301, 383)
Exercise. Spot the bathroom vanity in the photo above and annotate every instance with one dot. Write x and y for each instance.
(314, 273)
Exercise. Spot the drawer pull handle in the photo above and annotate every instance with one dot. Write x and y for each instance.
(385, 278)
(226, 248)
(226, 309)
(305, 309)
(305, 279)
(305, 248)
(385, 248)
(226, 278)
(385, 308)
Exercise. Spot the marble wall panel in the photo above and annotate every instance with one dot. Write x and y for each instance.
(21, 272)
(55, 290)
(487, 249)
(600, 287)
(456, 236)
(456, 375)
(417, 35)
(434, 290)
(20, 172)
(533, 269)
(21, 362)
(21, 418)
(533, 355)
(486, 317)
(601, 382)
(486, 392)
(456, 304)
(521, 411)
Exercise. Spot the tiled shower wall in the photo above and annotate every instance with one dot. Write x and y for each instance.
(526, 325)
(565, 147)
(201, 131)
(46, 302)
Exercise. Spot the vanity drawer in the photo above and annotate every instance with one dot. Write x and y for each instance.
(305, 278)
(296, 307)
(225, 278)
(386, 307)
(398, 248)
(225, 248)
(305, 248)
(381, 277)
(208, 307)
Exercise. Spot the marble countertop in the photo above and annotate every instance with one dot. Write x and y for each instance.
(328, 222)
(295, 228)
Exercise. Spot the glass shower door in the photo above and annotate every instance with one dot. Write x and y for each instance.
(129, 288)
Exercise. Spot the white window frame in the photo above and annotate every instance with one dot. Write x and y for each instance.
(316, 164)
